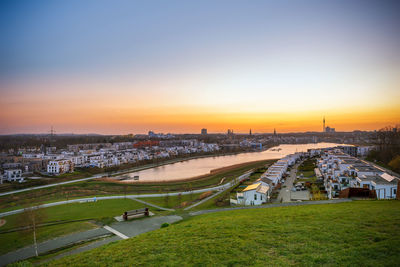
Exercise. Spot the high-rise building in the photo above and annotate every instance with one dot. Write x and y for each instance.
(204, 131)
(323, 125)
(250, 132)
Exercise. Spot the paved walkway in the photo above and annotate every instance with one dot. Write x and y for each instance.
(52, 244)
(125, 229)
(233, 183)
(220, 187)
(115, 232)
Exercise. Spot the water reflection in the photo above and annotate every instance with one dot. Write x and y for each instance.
(201, 166)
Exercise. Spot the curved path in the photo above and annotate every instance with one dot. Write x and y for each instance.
(220, 187)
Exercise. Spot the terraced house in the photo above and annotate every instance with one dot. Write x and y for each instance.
(341, 171)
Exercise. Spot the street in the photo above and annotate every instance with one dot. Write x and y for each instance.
(285, 193)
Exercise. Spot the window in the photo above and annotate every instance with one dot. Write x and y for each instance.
(255, 196)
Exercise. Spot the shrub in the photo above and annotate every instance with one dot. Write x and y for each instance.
(164, 225)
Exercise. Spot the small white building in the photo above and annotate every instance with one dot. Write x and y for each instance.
(255, 194)
(60, 166)
(385, 186)
(13, 175)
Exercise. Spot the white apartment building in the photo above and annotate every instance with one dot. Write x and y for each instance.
(60, 166)
(13, 175)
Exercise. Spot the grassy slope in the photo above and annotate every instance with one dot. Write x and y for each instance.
(99, 210)
(173, 201)
(363, 233)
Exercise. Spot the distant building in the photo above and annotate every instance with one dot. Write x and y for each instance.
(204, 131)
(327, 129)
(13, 175)
(152, 134)
(60, 166)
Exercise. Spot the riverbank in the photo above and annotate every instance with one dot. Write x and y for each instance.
(199, 177)
(84, 174)
(198, 166)
(178, 160)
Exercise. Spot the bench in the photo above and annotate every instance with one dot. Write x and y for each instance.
(127, 214)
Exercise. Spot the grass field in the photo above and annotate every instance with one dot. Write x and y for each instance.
(99, 188)
(100, 211)
(359, 233)
(172, 202)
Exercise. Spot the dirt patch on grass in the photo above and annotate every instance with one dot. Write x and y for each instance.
(2, 222)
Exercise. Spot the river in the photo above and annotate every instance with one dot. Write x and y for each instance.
(201, 166)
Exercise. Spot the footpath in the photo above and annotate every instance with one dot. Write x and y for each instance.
(107, 235)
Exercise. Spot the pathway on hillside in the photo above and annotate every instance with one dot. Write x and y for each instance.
(232, 183)
(220, 187)
(129, 229)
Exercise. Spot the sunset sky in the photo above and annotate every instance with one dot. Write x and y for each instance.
(118, 67)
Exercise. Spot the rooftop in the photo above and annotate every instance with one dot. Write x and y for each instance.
(251, 187)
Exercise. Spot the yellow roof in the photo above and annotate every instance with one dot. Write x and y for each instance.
(251, 187)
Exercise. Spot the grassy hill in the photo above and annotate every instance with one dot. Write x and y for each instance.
(362, 233)
(101, 210)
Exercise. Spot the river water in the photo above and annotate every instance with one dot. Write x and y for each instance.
(201, 166)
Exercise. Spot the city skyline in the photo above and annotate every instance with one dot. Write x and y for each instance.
(100, 67)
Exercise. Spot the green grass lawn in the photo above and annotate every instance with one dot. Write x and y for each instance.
(101, 210)
(360, 233)
(15, 240)
(173, 201)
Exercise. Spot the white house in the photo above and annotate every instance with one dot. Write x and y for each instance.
(13, 175)
(60, 166)
(385, 186)
(255, 194)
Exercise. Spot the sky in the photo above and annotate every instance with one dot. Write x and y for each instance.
(119, 67)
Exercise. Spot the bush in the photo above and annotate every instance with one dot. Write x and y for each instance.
(164, 225)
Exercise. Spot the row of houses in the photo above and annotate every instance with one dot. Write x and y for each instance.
(115, 156)
(260, 191)
(341, 171)
(99, 155)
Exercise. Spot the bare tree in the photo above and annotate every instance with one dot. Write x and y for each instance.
(29, 221)
(179, 199)
(166, 200)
